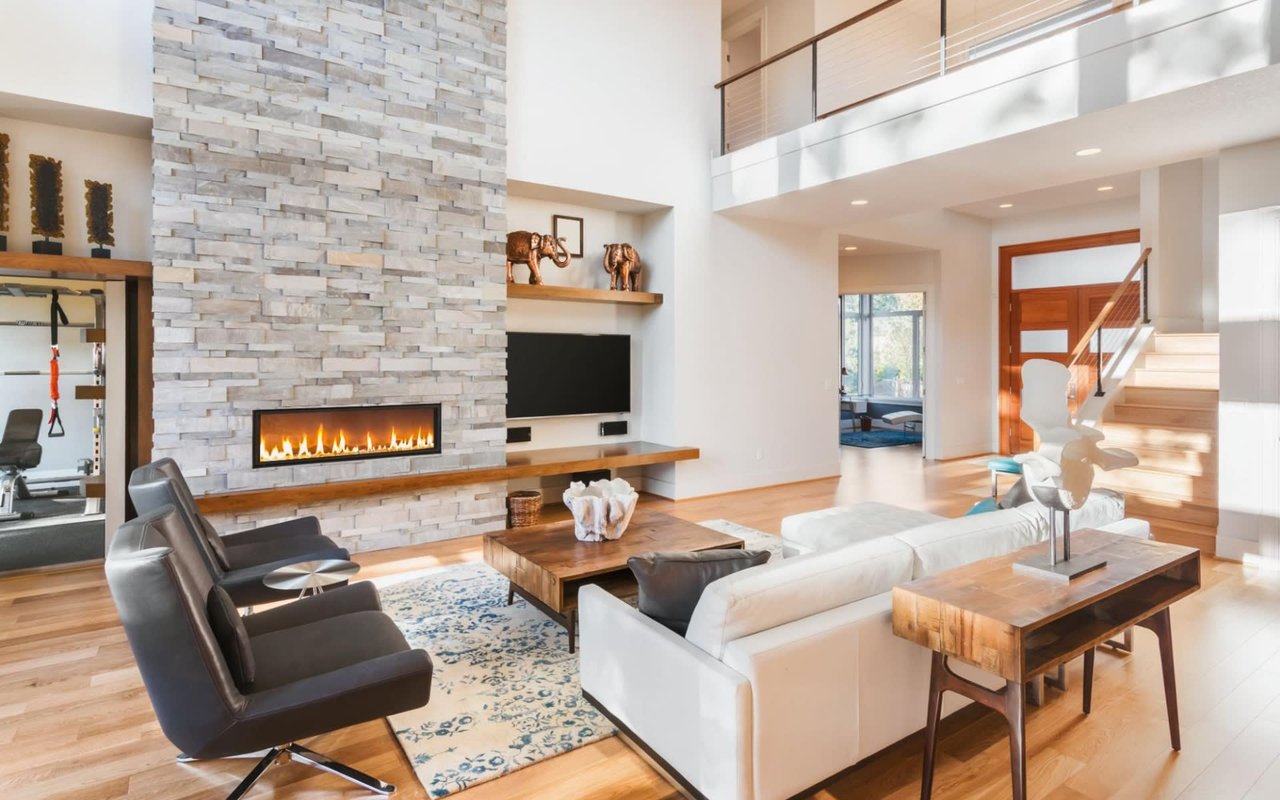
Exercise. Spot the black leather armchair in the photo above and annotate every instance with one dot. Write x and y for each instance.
(237, 561)
(320, 663)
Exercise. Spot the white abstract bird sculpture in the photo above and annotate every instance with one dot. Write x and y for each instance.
(1059, 473)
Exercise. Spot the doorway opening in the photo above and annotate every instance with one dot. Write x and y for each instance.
(1050, 292)
(745, 104)
(882, 369)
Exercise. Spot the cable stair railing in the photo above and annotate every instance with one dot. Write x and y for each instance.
(1110, 345)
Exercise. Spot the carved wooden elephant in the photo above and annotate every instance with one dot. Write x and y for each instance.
(623, 265)
(529, 249)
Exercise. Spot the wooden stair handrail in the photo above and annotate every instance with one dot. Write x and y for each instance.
(1082, 346)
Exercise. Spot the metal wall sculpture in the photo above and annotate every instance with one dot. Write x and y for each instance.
(4, 190)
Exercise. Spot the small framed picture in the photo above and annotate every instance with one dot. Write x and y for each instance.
(570, 230)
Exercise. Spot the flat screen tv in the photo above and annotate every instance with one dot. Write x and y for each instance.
(560, 374)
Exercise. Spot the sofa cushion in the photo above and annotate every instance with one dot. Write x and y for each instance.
(817, 531)
(1102, 508)
(671, 583)
(955, 542)
(774, 594)
(233, 640)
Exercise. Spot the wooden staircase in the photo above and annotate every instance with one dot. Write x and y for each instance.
(1167, 415)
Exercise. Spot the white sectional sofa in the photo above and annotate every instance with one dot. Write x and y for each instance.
(790, 672)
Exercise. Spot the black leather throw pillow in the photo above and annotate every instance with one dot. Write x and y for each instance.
(233, 639)
(672, 583)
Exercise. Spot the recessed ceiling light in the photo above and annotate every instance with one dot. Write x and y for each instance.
(1105, 188)
(1089, 151)
(858, 202)
(851, 247)
(1006, 205)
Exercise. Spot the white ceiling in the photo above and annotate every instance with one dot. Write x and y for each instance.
(1053, 198)
(1179, 126)
(874, 247)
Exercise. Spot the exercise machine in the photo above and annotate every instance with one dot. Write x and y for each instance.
(94, 333)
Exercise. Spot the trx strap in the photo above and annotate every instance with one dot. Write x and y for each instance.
(56, 316)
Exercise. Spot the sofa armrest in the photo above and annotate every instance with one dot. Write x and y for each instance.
(688, 708)
(300, 526)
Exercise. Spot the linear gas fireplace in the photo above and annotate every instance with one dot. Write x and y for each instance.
(309, 435)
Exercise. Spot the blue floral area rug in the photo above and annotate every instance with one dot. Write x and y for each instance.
(505, 692)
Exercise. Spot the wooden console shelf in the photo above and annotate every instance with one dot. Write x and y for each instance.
(72, 267)
(525, 464)
(574, 294)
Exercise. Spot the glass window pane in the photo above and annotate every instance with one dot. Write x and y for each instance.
(1052, 341)
(851, 330)
(893, 359)
(888, 303)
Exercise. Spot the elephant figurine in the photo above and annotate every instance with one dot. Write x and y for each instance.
(623, 265)
(528, 248)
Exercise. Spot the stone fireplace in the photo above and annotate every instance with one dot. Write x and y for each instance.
(329, 224)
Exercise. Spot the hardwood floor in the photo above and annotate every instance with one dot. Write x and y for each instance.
(75, 723)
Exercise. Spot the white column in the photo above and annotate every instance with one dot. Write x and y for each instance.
(1173, 212)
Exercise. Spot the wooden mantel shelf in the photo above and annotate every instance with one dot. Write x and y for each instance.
(575, 294)
(524, 464)
(31, 265)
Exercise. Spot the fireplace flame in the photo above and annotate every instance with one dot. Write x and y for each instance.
(308, 448)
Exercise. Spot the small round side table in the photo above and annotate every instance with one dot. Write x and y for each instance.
(311, 577)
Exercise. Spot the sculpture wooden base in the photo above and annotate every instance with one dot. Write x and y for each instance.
(1064, 571)
(44, 247)
(4, 243)
(100, 252)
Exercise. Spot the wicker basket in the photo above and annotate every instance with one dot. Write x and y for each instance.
(523, 508)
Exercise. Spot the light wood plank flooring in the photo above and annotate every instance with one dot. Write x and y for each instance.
(75, 723)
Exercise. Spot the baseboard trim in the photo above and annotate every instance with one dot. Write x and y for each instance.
(1233, 549)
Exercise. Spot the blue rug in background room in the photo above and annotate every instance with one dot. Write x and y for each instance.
(878, 438)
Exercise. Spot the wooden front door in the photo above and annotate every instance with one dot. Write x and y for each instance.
(1042, 323)
(1048, 323)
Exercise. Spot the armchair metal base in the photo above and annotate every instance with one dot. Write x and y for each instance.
(296, 752)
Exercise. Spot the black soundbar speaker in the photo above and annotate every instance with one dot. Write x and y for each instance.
(613, 428)
(521, 434)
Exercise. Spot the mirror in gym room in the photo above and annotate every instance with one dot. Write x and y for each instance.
(53, 375)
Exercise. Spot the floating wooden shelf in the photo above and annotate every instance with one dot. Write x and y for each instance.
(574, 294)
(94, 486)
(94, 335)
(72, 267)
(91, 392)
(524, 464)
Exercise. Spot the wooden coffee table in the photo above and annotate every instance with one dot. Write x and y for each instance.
(546, 564)
(1018, 626)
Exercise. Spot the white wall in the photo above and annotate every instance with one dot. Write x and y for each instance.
(93, 53)
(888, 273)
(740, 358)
(122, 161)
(1176, 214)
(1249, 320)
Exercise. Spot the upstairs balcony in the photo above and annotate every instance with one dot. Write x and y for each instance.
(888, 47)
(991, 91)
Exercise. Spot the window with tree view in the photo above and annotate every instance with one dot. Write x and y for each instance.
(882, 338)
